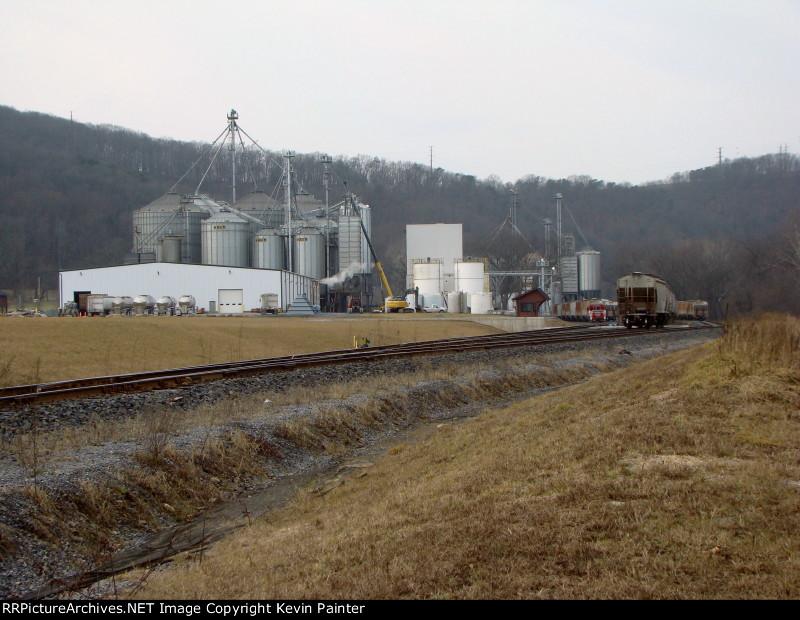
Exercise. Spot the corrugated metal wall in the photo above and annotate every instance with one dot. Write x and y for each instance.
(202, 281)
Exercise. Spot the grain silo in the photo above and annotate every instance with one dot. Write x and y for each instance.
(259, 205)
(589, 274)
(269, 249)
(308, 257)
(226, 240)
(173, 216)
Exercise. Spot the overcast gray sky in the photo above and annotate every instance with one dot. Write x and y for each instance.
(621, 90)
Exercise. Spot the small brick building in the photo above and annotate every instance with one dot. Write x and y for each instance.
(528, 303)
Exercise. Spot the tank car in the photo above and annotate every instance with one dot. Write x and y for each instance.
(645, 300)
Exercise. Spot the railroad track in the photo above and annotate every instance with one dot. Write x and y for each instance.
(183, 377)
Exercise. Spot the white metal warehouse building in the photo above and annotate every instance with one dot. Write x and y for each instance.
(230, 290)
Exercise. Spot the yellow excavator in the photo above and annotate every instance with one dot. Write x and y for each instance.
(394, 303)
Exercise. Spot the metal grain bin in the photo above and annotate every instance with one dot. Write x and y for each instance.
(225, 240)
(259, 205)
(170, 215)
(589, 273)
(309, 253)
(269, 249)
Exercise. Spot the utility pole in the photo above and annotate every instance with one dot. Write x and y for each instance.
(719, 156)
(431, 150)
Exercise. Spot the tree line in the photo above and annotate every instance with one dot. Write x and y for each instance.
(728, 233)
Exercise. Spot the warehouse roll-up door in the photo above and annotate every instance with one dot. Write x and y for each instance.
(230, 301)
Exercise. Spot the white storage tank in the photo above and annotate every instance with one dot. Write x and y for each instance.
(226, 239)
(454, 302)
(309, 253)
(269, 249)
(481, 303)
(469, 276)
(427, 276)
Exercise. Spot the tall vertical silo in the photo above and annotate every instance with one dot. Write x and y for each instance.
(225, 240)
(589, 274)
(269, 249)
(309, 253)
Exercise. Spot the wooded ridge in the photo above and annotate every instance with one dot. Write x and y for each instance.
(728, 233)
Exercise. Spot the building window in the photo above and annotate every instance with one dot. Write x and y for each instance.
(526, 307)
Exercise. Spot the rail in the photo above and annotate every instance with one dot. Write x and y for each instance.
(183, 377)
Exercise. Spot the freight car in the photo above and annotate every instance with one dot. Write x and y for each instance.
(593, 310)
(693, 310)
(645, 301)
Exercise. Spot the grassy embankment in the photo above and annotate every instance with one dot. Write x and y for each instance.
(39, 350)
(676, 478)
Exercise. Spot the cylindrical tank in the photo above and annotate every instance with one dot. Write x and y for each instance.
(122, 305)
(454, 302)
(143, 304)
(170, 215)
(263, 207)
(269, 249)
(481, 303)
(99, 305)
(171, 246)
(589, 273)
(165, 305)
(150, 221)
(187, 304)
(226, 239)
(309, 253)
(469, 276)
(427, 276)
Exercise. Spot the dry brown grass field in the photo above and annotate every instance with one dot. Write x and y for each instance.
(36, 350)
(675, 478)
